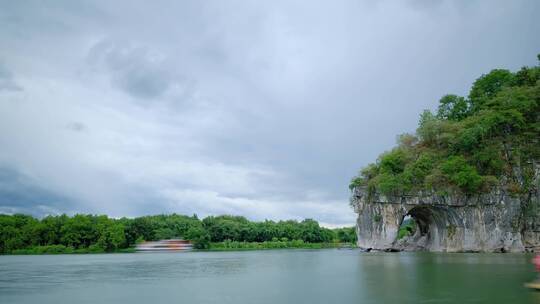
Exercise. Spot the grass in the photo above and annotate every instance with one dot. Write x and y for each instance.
(295, 244)
(61, 249)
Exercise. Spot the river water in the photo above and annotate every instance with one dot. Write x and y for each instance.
(274, 276)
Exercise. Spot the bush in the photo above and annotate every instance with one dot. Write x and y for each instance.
(462, 174)
(393, 162)
(49, 249)
(356, 182)
(346, 235)
(390, 184)
(199, 237)
(407, 228)
(95, 248)
(294, 244)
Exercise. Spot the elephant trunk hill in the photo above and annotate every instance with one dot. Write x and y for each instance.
(468, 179)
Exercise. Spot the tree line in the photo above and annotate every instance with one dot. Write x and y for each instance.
(99, 233)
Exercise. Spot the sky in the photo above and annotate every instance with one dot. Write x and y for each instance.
(261, 109)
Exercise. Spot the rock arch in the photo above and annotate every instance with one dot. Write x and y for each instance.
(450, 224)
(437, 228)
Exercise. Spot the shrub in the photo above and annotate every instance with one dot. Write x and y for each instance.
(462, 174)
(199, 237)
(356, 182)
(408, 227)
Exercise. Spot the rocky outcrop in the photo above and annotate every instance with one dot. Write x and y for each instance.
(494, 222)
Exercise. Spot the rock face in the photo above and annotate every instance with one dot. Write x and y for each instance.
(494, 222)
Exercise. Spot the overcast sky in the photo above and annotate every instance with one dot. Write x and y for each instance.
(228, 107)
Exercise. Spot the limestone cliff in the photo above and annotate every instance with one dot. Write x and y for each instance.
(494, 222)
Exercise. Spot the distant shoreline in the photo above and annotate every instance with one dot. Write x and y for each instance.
(87, 233)
(214, 247)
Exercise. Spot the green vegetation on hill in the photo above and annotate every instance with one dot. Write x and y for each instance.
(23, 234)
(471, 145)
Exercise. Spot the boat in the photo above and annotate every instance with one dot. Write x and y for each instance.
(165, 245)
(533, 285)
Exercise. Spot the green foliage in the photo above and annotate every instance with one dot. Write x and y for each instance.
(232, 228)
(429, 128)
(473, 144)
(367, 176)
(276, 244)
(416, 172)
(487, 87)
(453, 107)
(355, 182)
(346, 235)
(407, 228)
(488, 159)
(199, 237)
(48, 249)
(462, 174)
(391, 179)
(451, 231)
(393, 162)
(390, 184)
(112, 236)
(24, 234)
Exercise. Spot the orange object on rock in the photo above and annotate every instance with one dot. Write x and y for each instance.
(536, 262)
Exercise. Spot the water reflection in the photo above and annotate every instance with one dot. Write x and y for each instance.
(448, 278)
(24, 273)
(281, 276)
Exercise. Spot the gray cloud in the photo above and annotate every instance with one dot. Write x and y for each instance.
(76, 126)
(7, 82)
(20, 194)
(264, 110)
(136, 70)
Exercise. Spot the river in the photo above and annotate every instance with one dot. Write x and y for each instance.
(274, 276)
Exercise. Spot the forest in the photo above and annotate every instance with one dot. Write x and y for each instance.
(475, 144)
(24, 234)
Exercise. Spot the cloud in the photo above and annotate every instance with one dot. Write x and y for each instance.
(264, 110)
(20, 194)
(76, 126)
(7, 82)
(138, 71)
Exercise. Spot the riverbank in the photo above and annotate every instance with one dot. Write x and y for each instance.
(215, 246)
(296, 244)
(61, 249)
(62, 234)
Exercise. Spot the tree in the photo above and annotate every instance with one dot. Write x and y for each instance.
(453, 107)
(346, 234)
(429, 129)
(393, 162)
(199, 237)
(91, 233)
(79, 231)
(111, 236)
(487, 87)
